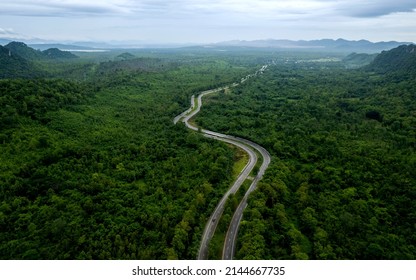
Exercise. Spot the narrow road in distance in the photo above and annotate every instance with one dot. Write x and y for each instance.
(252, 149)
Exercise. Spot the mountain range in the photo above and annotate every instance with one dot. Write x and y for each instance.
(327, 45)
(19, 60)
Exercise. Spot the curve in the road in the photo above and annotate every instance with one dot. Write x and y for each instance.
(250, 148)
(231, 236)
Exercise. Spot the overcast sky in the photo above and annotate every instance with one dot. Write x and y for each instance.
(204, 21)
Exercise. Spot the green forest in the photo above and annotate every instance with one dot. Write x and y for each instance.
(92, 166)
(95, 168)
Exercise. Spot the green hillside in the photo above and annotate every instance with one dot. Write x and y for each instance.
(13, 65)
(401, 59)
(24, 50)
(29, 53)
(54, 53)
(356, 60)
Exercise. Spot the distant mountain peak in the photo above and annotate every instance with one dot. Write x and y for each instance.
(55, 53)
(16, 44)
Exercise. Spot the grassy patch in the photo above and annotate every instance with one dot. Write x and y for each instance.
(240, 161)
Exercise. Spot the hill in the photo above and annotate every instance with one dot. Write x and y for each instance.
(17, 60)
(55, 53)
(13, 65)
(125, 56)
(401, 59)
(29, 53)
(24, 50)
(356, 60)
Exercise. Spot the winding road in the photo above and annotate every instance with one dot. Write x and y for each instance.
(252, 149)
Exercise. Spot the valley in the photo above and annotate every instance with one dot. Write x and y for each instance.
(99, 162)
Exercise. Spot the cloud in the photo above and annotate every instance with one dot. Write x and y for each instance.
(57, 8)
(9, 33)
(158, 8)
(260, 8)
(247, 8)
(371, 8)
(208, 20)
(284, 8)
(82, 8)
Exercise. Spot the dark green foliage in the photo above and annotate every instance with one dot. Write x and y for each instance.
(34, 98)
(374, 115)
(401, 59)
(120, 67)
(24, 51)
(55, 53)
(13, 65)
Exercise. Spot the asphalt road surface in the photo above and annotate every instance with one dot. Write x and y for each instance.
(252, 149)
